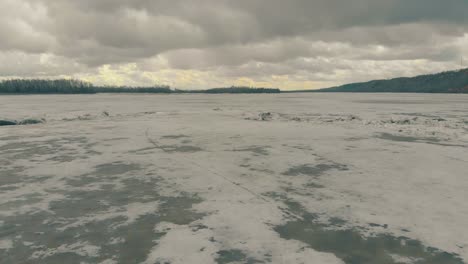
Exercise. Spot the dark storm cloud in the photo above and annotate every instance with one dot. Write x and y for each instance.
(206, 34)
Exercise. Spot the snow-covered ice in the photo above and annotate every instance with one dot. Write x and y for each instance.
(276, 178)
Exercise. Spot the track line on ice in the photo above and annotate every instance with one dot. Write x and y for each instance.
(235, 184)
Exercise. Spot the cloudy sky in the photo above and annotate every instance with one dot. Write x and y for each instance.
(190, 44)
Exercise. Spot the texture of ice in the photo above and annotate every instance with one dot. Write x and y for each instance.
(284, 178)
(6, 244)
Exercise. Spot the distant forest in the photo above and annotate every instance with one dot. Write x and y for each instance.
(445, 82)
(63, 86)
(24, 86)
(238, 90)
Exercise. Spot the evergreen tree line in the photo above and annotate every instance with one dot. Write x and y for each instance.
(240, 89)
(232, 90)
(26, 86)
(64, 86)
(126, 89)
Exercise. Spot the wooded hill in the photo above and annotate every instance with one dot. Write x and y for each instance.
(445, 82)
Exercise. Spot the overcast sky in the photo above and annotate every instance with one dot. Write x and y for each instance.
(290, 44)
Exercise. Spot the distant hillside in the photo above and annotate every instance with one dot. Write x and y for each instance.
(445, 82)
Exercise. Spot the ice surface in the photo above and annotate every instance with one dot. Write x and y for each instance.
(284, 178)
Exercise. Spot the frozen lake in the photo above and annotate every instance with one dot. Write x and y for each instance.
(288, 178)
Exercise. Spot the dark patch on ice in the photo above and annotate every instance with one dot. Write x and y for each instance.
(18, 202)
(36, 179)
(350, 245)
(103, 173)
(331, 118)
(28, 121)
(8, 123)
(314, 185)
(31, 121)
(10, 176)
(355, 138)
(7, 138)
(427, 140)
(262, 116)
(81, 180)
(174, 136)
(300, 147)
(314, 170)
(256, 150)
(42, 228)
(21, 150)
(402, 138)
(116, 168)
(392, 102)
(80, 117)
(265, 116)
(79, 203)
(63, 158)
(198, 227)
(267, 171)
(178, 210)
(401, 121)
(143, 150)
(63, 149)
(14, 175)
(234, 256)
(138, 240)
(337, 222)
(8, 187)
(115, 139)
(180, 148)
(378, 225)
(433, 117)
